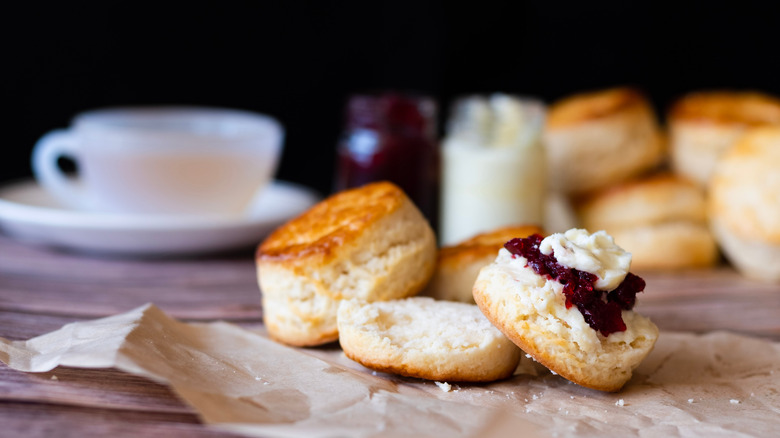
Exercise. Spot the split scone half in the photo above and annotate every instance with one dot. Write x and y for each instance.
(424, 338)
(369, 243)
(566, 300)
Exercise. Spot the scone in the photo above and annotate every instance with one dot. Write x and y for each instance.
(458, 265)
(566, 300)
(369, 243)
(703, 125)
(744, 204)
(601, 138)
(661, 220)
(421, 337)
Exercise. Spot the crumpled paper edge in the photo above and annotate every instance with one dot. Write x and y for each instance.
(242, 381)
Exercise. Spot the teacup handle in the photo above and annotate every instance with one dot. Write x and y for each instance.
(46, 152)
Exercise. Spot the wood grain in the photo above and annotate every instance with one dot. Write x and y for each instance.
(706, 300)
(101, 388)
(37, 280)
(43, 289)
(64, 421)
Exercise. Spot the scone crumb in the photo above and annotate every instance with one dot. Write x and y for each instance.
(53, 377)
(444, 386)
(734, 401)
(620, 403)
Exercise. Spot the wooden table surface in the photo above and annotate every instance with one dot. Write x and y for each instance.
(42, 289)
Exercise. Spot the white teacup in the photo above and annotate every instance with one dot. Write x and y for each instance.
(161, 160)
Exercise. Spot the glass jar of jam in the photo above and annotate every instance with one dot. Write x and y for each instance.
(391, 136)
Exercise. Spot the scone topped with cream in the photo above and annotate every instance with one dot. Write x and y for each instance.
(567, 301)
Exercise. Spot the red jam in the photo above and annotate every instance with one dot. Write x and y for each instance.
(392, 136)
(601, 309)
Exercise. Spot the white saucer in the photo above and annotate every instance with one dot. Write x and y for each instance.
(29, 213)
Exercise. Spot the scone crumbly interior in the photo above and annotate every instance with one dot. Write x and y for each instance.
(425, 338)
(531, 310)
(546, 306)
(405, 325)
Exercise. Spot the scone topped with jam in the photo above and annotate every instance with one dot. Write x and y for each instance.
(567, 301)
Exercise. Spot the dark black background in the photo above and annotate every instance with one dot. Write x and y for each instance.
(299, 60)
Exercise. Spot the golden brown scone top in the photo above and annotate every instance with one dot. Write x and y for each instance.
(331, 223)
(593, 105)
(731, 107)
(484, 244)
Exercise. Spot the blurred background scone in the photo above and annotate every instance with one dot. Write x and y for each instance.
(661, 220)
(703, 125)
(458, 265)
(744, 204)
(369, 243)
(601, 138)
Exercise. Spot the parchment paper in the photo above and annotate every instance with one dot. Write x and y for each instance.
(712, 385)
